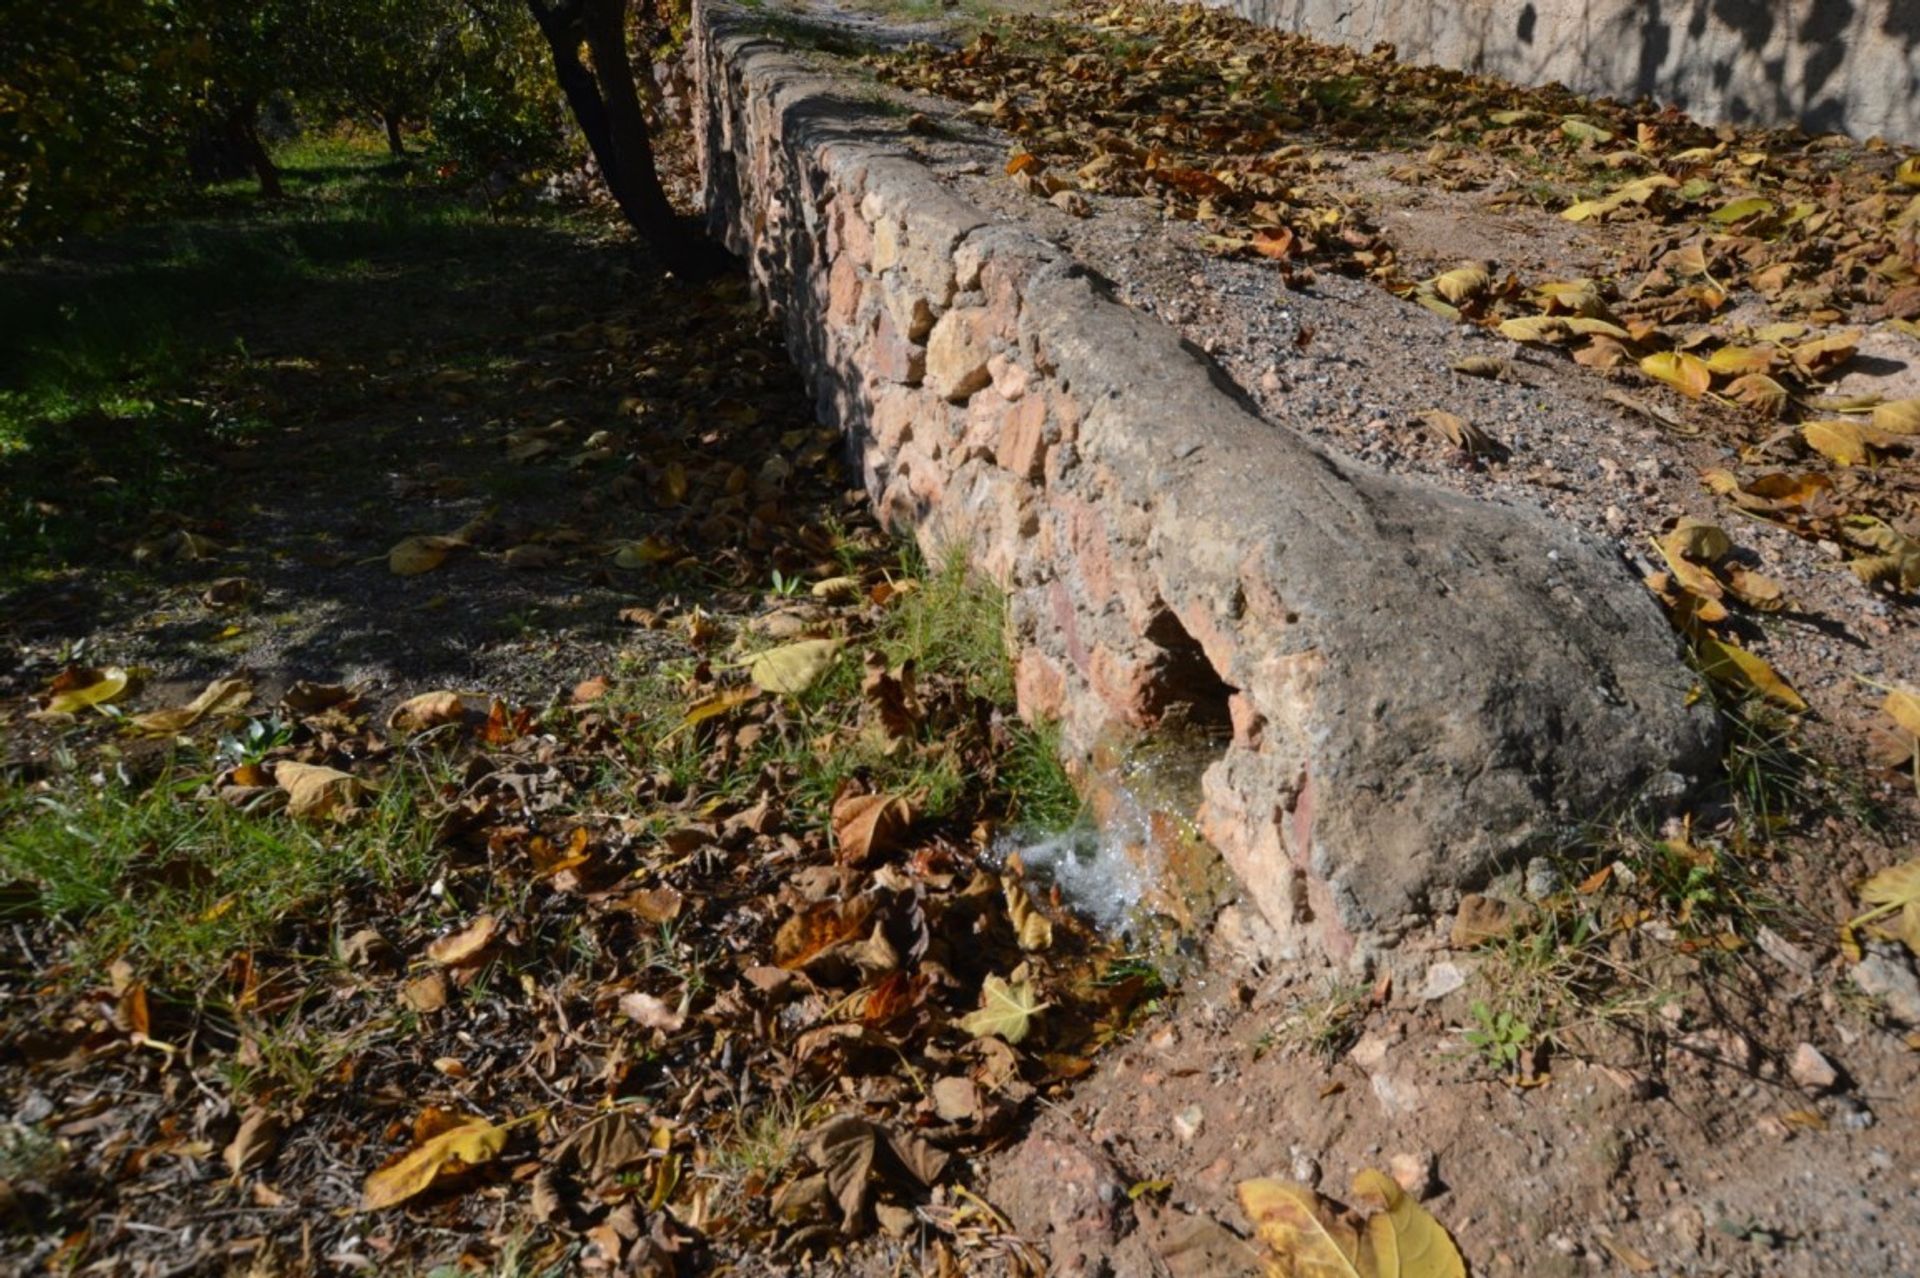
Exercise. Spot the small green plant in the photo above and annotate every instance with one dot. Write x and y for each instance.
(1500, 1037)
(786, 587)
(252, 742)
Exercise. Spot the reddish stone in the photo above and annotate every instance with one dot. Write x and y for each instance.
(1066, 416)
(856, 237)
(893, 357)
(1130, 688)
(1039, 688)
(1009, 377)
(1021, 447)
(986, 424)
(892, 421)
(1248, 723)
(957, 353)
(1087, 534)
(926, 478)
(1002, 279)
(843, 292)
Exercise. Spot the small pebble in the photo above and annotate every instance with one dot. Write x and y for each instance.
(1416, 1173)
(1543, 878)
(1811, 1070)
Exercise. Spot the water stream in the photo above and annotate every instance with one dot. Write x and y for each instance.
(1133, 864)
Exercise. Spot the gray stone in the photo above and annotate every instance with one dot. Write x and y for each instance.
(1442, 980)
(1893, 983)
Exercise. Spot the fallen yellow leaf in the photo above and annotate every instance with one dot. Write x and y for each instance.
(794, 668)
(1686, 373)
(104, 687)
(1404, 1240)
(415, 555)
(1737, 668)
(1304, 1238)
(470, 1144)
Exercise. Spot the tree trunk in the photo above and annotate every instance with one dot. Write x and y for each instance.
(606, 24)
(561, 24)
(394, 144)
(606, 103)
(244, 134)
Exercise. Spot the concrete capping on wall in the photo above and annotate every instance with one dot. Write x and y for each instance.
(1830, 66)
(1410, 688)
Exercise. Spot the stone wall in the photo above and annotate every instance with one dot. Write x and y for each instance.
(1849, 66)
(1409, 688)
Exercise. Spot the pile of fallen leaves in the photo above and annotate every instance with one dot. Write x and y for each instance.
(622, 980)
(705, 956)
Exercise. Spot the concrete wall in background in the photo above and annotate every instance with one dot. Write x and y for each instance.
(1849, 66)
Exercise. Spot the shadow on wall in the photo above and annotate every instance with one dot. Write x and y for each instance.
(1847, 65)
(1824, 64)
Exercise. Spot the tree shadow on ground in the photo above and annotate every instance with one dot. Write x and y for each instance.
(284, 398)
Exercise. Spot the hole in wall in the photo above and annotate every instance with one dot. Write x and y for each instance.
(1186, 689)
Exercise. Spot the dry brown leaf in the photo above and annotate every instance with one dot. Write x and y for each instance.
(866, 826)
(1759, 392)
(465, 946)
(255, 1143)
(820, 928)
(222, 696)
(426, 993)
(314, 791)
(428, 710)
(651, 1013)
(1463, 434)
(1030, 924)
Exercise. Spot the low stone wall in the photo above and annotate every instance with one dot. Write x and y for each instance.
(1410, 687)
(1849, 66)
